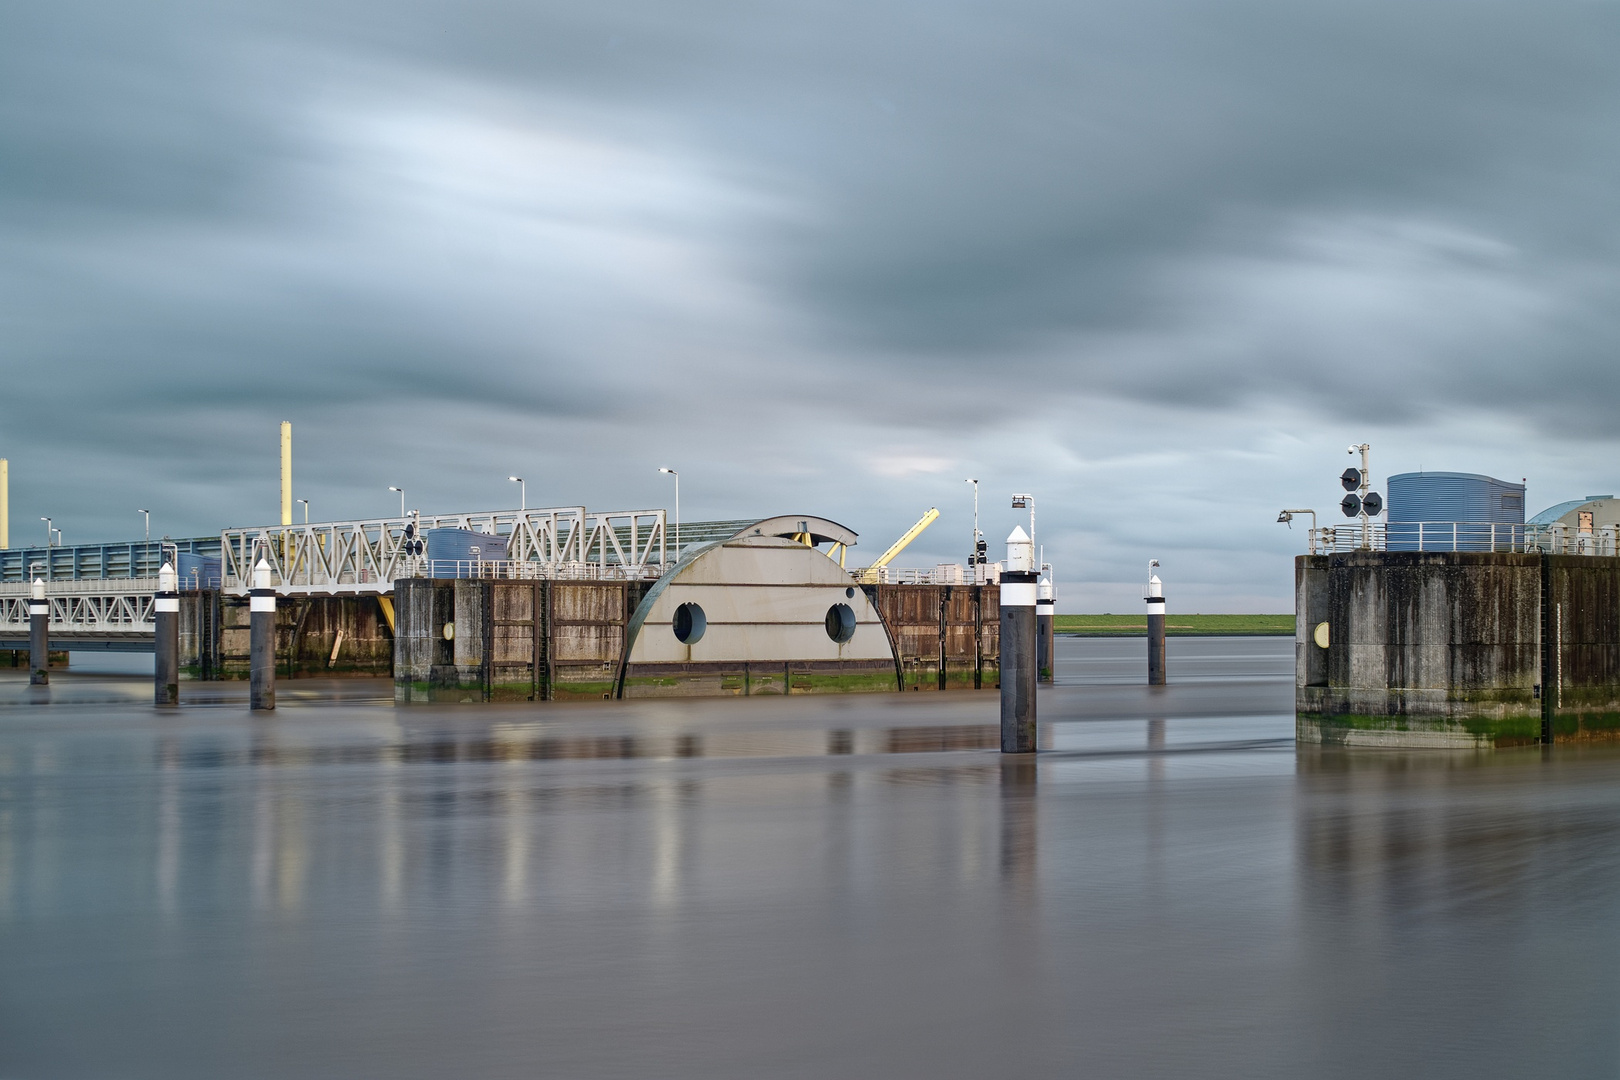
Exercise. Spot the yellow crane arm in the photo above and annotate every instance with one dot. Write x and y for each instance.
(911, 534)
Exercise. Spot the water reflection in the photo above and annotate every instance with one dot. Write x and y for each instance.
(516, 743)
(1018, 819)
(704, 894)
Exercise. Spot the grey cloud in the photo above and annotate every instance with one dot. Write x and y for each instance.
(842, 252)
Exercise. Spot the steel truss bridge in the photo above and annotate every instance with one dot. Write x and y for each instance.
(86, 613)
(101, 594)
(363, 558)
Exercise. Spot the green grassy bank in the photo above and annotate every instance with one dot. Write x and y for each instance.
(1177, 625)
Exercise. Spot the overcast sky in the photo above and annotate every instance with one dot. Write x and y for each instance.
(1158, 263)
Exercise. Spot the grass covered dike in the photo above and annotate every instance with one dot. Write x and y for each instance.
(1177, 625)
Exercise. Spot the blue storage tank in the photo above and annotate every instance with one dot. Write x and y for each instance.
(450, 551)
(1451, 497)
(197, 571)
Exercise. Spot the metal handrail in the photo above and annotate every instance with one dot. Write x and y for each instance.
(1487, 536)
(526, 570)
(85, 587)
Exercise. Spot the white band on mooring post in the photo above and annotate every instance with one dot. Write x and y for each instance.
(1017, 593)
(260, 603)
(37, 608)
(169, 605)
(1155, 605)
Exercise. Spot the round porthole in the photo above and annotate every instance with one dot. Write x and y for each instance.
(850, 593)
(1320, 635)
(840, 622)
(449, 631)
(690, 623)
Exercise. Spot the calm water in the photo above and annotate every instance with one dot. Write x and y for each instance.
(813, 887)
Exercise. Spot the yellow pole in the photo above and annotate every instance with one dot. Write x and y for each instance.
(5, 503)
(286, 472)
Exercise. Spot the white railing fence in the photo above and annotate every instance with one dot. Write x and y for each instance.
(1463, 536)
(513, 570)
(107, 605)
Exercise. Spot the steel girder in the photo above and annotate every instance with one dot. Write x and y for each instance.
(337, 558)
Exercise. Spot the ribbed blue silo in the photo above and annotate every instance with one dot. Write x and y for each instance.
(1445, 498)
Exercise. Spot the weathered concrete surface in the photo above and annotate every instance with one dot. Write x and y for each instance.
(540, 640)
(946, 637)
(18, 658)
(1456, 648)
(777, 617)
(472, 640)
(215, 639)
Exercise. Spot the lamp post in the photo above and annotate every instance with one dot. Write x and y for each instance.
(975, 558)
(48, 530)
(148, 515)
(401, 491)
(523, 491)
(306, 510)
(1020, 502)
(1287, 518)
(677, 477)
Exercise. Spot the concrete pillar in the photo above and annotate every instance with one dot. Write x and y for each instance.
(166, 627)
(39, 636)
(1018, 659)
(1155, 625)
(261, 640)
(1045, 608)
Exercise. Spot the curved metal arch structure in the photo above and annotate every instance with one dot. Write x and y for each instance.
(807, 529)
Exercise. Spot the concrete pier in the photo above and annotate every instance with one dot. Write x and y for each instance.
(1155, 629)
(1467, 649)
(166, 644)
(1045, 610)
(262, 649)
(39, 635)
(1019, 675)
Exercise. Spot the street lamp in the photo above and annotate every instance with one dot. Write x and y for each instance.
(1021, 501)
(1287, 518)
(306, 510)
(523, 491)
(401, 491)
(48, 530)
(974, 558)
(677, 477)
(148, 516)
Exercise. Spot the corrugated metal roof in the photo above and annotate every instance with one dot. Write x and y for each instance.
(1551, 515)
(1453, 496)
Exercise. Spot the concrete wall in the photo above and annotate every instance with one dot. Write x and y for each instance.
(510, 640)
(767, 602)
(568, 640)
(307, 633)
(946, 637)
(18, 658)
(1457, 648)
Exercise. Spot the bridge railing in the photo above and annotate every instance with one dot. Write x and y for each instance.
(510, 570)
(365, 557)
(103, 606)
(1556, 539)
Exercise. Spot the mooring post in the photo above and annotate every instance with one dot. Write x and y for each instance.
(166, 644)
(1155, 627)
(1018, 659)
(262, 639)
(39, 635)
(1045, 607)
